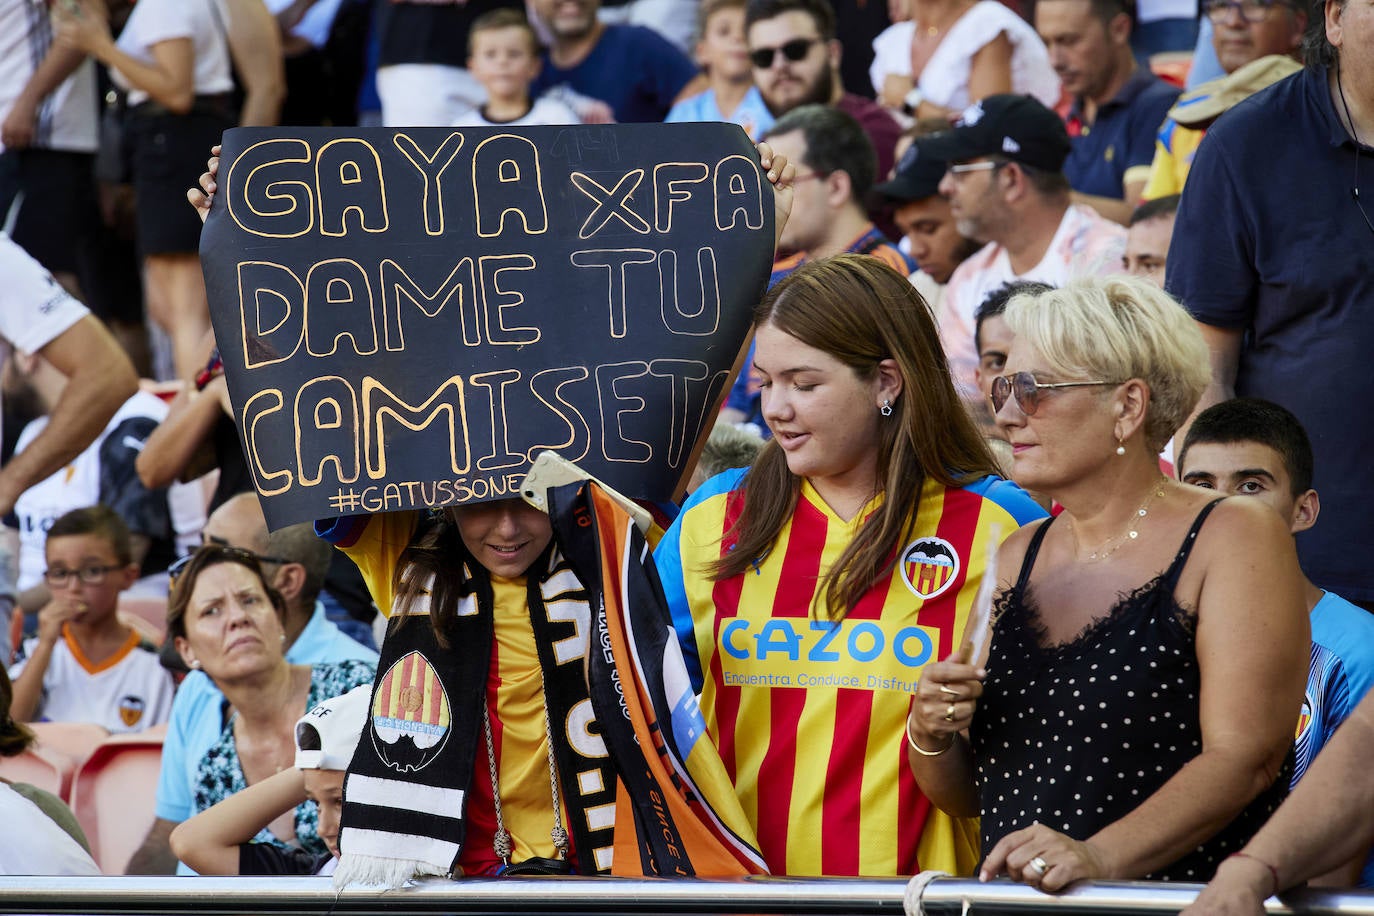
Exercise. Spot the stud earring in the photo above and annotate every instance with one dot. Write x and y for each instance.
(886, 409)
(195, 665)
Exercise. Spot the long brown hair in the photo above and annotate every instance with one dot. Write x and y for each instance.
(436, 553)
(861, 312)
(15, 737)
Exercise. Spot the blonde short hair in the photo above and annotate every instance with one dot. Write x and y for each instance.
(1116, 329)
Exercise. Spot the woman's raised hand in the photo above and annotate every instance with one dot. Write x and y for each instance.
(945, 700)
(781, 174)
(201, 197)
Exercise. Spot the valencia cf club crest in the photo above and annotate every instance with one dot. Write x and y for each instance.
(131, 710)
(410, 714)
(929, 566)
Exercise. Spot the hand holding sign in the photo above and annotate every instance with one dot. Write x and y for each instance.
(407, 317)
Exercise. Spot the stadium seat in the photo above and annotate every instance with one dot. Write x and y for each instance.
(146, 614)
(113, 793)
(52, 761)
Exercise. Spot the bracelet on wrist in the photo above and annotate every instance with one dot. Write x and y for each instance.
(920, 750)
(1273, 872)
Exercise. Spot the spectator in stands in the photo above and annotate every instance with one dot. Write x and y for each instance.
(45, 838)
(163, 523)
(173, 58)
(1174, 611)
(1007, 189)
(1188, 120)
(219, 840)
(1250, 447)
(992, 339)
(835, 171)
(723, 55)
(1117, 104)
(796, 62)
(1269, 288)
(872, 456)
(952, 53)
(228, 622)
(48, 139)
(632, 69)
(503, 55)
(1147, 239)
(423, 49)
(85, 665)
(927, 224)
(728, 446)
(38, 316)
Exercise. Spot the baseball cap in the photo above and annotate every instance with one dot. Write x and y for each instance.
(917, 177)
(1017, 127)
(328, 733)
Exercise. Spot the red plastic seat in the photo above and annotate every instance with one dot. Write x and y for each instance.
(113, 795)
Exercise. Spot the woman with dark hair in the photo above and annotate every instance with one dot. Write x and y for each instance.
(225, 619)
(809, 591)
(52, 841)
(1134, 715)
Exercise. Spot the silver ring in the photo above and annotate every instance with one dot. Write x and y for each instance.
(1039, 866)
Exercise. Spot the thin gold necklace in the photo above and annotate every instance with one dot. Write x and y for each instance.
(1132, 532)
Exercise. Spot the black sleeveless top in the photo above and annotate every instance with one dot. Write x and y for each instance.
(1076, 736)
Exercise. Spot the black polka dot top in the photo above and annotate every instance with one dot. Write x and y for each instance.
(1076, 735)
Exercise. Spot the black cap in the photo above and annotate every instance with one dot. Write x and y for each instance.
(918, 177)
(1016, 127)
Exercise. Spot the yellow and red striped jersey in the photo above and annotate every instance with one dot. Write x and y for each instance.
(809, 713)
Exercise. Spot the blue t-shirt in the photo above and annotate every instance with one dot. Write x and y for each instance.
(752, 113)
(1103, 154)
(633, 69)
(1341, 673)
(1269, 242)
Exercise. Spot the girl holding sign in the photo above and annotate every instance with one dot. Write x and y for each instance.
(809, 591)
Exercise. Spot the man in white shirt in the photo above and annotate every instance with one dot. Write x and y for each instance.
(1006, 188)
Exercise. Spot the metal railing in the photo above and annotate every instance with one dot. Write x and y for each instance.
(532, 896)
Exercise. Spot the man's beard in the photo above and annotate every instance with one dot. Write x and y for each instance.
(819, 94)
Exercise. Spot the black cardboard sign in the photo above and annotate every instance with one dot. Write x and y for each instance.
(407, 317)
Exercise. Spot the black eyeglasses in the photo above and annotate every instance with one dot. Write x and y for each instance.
(793, 50)
(1250, 10)
(1026, 390)
(59, 576)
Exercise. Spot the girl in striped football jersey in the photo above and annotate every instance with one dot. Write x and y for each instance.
(809, 591)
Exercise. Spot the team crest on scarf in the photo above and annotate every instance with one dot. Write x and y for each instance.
(131, 710)
(929, 566)
(410, 714)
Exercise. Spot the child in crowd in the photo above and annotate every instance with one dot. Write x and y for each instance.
(723, 54)
(503, 55)
(218, 841)
(85, 665)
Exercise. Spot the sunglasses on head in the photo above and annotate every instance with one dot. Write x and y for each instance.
(793, 50)
(1026, 390)
(217, 547)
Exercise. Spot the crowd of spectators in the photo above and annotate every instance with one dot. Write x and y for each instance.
(1009, 164)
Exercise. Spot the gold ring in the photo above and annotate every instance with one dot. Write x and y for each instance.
(948, 690)
(949, 713)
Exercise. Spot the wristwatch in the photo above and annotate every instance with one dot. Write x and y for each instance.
(912, 101)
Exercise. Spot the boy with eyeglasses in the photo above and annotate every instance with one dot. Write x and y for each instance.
(85, 665)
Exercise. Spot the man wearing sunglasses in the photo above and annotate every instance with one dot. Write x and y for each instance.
(796, 62)
(1006, 188)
